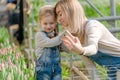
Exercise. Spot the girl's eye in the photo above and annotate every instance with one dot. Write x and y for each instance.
(45, 23)
(51, 23)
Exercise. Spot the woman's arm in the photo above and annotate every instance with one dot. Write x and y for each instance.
(93, 32)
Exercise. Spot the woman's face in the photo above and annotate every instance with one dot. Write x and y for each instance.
(62, 18)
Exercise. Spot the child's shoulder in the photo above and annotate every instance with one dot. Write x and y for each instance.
(40, 33)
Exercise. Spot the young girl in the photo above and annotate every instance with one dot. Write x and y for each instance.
(46, 46)
(91, 38)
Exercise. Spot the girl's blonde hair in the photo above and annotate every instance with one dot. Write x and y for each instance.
(75, 13)
(45, 11)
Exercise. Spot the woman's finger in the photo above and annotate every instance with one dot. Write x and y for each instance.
(67, 44)
(70, 39)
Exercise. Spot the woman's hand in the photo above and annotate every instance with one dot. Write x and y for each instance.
(73, 44)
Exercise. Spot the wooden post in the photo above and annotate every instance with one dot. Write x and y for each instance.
(82, 76)
(90, 65)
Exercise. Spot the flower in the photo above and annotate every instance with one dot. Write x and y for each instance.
(11, 50)
(3, 51)
(2, 66)
(17, 55)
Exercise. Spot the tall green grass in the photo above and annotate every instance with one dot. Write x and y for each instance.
(3, 35)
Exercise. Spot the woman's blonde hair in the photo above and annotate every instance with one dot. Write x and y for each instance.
(75, 13)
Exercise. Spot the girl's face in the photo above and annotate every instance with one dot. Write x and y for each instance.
(48, 23)
(62, 18)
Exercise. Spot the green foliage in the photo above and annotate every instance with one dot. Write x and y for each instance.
(102, 72)
(90, 12)
(102, 6)
(118, 9)
(3, 35)
(65, 72)
(35, 9)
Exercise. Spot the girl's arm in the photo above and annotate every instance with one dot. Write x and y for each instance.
(41, 40)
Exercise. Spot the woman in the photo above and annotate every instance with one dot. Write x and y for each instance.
(91, 38)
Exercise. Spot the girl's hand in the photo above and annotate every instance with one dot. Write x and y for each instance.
(73, 44)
